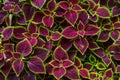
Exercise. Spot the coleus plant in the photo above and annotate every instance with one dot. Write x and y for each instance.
(59, 40)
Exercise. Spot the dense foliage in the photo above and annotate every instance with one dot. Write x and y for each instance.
(59, 39)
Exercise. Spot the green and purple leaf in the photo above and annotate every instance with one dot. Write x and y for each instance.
(67, 63)
(36, 65)
(56, 36)
(48, 21)
(109, 73)
(2, 16)
(29, 76)
(114, 34)
(99, 52)
(84, 73)
(64, 5)
(51, 5)
(32, 28)
(43, 31)
(24, 47)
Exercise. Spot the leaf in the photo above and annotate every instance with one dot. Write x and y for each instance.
(76, 8)
(18, 32)
(72, 73)
(56, 36)
(7, 33)
(84, 73)
(88, 66)
(48, 21)
(100, 66)
(77, 62)
(55, 63)
(43, 31)
(109, 73)
(64, 5)
(83, 16)
(103, 12)
(41, 53)
(60, 11)
(103, 37)
(115, 11)
(38, 3)
(81, 44)
(21, 19)
(13, 77)
(60, 54)
(28, 11)
(51, 5)
(91, 30)
(36, 65)
(18, 66)
(67, 63)
(99, 52)
(71, 17)
(32, 28)
(114, 34)
(9, 47)
(116, 25)
(58, 72)
(74, 1)
(106, 60)
(29, 76)
(2, 16)
(33, 41)
(70, 32)
(24, 47)
(118, 69)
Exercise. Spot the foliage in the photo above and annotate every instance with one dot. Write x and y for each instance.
(59, 39)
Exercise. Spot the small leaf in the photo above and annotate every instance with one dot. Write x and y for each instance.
(60, 54)
(74, 1)
(76, 8)
(100, 66)
(29, 76)
(2, 16)
(9, 47)
(103, 37)
(106, 60)
(56, 36)
(55, 63)
(70, 32)
(13, 77)
(109, 73)
(64, 5)
(84, 73)
(51, 5)
(83, 16)
(99, 52)
(115, 11)
(117, 25)
(33, 41)
(77, 62)
(103, 12)
(58, 72)
(43, 31)
(72, 73)
(32, 28)
(38, 3)
(71, 17)
(36, 65)
(21, 19)
(88, 66)
(114, 34)
(67, 63)
(7, 33)
(48, 21)
(18, 66)
(24, 47)
(91, 30)
(60, 11)
(118, 69)
(92, 59)
(81, 44)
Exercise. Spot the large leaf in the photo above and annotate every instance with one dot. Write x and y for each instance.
(103, 12)
(81, 44)
(72, 73)
(71, 17)
(70, 32)
(7, 33)
(36, 65)
(58, 72)
(38, 3)
(60, 54)
(18, 66)
(24, 47)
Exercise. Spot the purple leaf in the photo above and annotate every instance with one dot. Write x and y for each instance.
(100, 66)
(56, 36)
(117, 25)
(103, 36)
(32, 28)
(16, 55)
(66, 43)
(33, 41)
(114, 49)
(49, 69)
(43, 31)
(116, 56)
(1, 56)
(24, 47)
(55, 63)
(71, 17)
(13, 77)
(21, 19)
(103, 12)
(91, 30)
(28, 11)
(109, 73)
(60, 54)
(77, 62)
(106, 60)
(48, 21)
(29, 76)
(88, 66)
(84, 73)
(18, 32)
(38, 3)
(81, 44)
(114, 34)
(41, 53)
(72, 73)
(76, 8)
(115, 11)
(37, 18)
(74, 1)
(2, 16)
(36, 65)
(83, 16)
(58, 72)
(16, 9)
(67, 63)
(18, 66)
(60, 12)
(2, 77)
(9, 47)
(64, 5)
(99, 52)
(6, 68)
(70, 32)
(118, 69)
(7, 33)
(51, 5)
(93, 75)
